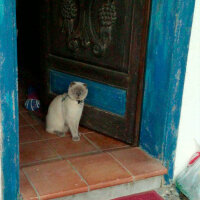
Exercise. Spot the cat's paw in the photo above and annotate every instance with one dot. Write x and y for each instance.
(60, 134)
(76, 139)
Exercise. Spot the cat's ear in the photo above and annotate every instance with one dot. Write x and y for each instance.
(72, 83)
(85, 85)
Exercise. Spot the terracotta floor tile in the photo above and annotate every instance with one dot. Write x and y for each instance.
(31, 118)
(22, 121)
(26, 189)
(55, 179)
(66, 147)
(139, 163)
(84, 130)
(104, 142)
(35, 151)
(101, 170)
(45, 135)
(27, 134)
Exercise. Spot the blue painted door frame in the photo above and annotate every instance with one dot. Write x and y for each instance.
(8, 101)
(169, 34)
(166, 61)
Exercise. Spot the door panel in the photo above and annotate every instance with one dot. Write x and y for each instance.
(93, 31)
(101, 43)
(88, 71)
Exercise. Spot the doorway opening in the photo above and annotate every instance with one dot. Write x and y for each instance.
(50, 166)
(36, 145)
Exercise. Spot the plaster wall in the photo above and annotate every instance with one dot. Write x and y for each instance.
(189, 127)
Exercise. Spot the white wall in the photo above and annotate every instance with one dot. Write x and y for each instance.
(189, 127)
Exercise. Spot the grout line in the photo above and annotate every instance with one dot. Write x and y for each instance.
(106, 149)
(74, 168)
(52, 149)
(40, 162)
(116, 148)
(121, 165)
(80, 154)
(48, 145)
(40, 135)
(34, 141)
(25, 173)
(89, 131)
(36, 134)
(39, 140)
(92, 143)
(30, 142)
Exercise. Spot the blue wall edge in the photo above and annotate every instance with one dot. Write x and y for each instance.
(9, 100)
(169, 35)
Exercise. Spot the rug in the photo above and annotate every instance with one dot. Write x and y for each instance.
(151, 195)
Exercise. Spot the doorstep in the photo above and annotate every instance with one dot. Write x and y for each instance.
(101, 176)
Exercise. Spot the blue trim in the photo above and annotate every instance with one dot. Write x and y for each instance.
(170, 27)
(9, 100)
(100, 95)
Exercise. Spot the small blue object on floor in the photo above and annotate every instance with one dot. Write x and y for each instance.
(32, 103)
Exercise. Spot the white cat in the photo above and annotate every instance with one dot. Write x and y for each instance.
(65, 111)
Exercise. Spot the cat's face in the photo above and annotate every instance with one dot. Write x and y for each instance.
(77, 91)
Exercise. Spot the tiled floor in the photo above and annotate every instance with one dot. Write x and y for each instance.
(37, 146)
(52, 167)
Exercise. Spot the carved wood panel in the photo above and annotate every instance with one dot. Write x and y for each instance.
(92, 31)
(103, 41)
(84, 35)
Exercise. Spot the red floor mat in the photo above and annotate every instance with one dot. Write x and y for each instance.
(152, 195)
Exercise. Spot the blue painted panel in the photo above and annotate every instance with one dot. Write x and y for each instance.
(100, 95)
(8, 100)
(169, 35)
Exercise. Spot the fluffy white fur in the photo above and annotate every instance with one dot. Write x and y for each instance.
(65, 111)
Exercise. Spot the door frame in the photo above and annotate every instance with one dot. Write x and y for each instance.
(9, 139)
(9, 134)
(169, 36)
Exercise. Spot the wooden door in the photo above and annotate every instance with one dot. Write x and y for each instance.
(101, 43)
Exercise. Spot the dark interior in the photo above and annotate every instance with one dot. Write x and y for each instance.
(28, 26)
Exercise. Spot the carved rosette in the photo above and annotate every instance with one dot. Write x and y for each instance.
(83, 36)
